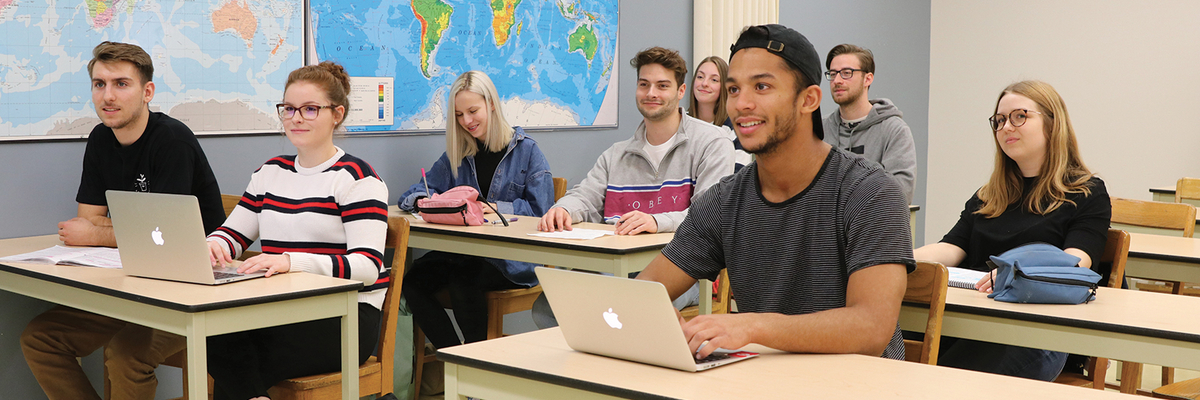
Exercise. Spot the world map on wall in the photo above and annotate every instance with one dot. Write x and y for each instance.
(220, 65)
(553, 61)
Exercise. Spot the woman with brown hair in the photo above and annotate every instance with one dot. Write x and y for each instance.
(1039, 191)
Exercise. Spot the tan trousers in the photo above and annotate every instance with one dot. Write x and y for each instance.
(52, 342)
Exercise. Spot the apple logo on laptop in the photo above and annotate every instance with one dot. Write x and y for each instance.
(157, 236)
(611, 318)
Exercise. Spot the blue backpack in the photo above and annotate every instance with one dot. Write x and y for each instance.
(1042, 274)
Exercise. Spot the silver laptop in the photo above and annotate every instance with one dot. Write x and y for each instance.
(623, 318)
(162, 236)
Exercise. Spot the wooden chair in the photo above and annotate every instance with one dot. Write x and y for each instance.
(375, 375)
(229, 201)
(1153, 217)
(720, 301)
(499, 304)
(1187, 190)
(1157, 218)
(560, 188)
(927, 287)
(1116, 252)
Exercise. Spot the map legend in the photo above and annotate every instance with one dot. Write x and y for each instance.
(370, 101)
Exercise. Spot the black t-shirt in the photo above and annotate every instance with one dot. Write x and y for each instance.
(796, 257)
(167, 158)
(485, 166)
(1083, 225)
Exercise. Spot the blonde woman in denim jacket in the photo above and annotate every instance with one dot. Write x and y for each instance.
(511, 173)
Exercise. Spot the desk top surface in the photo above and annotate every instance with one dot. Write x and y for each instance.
(518, 232)
(186, 297)
(1132, 312)
(1163, 189)
(1162, 247)
(544, 356)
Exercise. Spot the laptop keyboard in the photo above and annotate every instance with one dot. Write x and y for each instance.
(711, 358)
(224, 275)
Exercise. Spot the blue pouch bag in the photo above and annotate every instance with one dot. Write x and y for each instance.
(1040, 273)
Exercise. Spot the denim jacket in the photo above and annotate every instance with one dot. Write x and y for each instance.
(522, 185)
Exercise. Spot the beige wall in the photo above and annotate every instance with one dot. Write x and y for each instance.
(1127, 71)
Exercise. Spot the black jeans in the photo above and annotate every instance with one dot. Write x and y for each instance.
(467, 279)
(245, 364)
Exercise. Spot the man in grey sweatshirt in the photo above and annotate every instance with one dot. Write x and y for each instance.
(873, 129)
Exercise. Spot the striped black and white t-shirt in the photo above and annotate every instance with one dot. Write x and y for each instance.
(796, 257)
(330, 219)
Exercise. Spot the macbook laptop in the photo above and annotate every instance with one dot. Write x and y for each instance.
(623, 318)
(162, 236)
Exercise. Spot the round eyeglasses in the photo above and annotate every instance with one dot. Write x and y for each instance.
(1016, 117)
(309, 112)
(846, 73)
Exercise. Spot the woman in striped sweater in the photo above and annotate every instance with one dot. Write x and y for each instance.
(321, 211)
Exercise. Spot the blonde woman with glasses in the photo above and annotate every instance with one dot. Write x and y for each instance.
(1039, 191)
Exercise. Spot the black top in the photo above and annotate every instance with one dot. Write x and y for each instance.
(165, 159)
(485, 166)
(1083, 225)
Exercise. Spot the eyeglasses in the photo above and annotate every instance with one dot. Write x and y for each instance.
(1016, 117)
(846, 73)
(309, 112)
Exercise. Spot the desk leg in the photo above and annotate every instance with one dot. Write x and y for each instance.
(451, 382)
(197, 358)
(349, 348)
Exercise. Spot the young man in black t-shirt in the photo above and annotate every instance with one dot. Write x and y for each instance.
(815, 240)
(132, 149)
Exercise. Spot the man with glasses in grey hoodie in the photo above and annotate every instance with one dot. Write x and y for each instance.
(873, 129)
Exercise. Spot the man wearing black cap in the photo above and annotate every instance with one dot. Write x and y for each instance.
(816, 240)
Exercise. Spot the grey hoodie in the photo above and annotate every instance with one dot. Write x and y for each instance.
(883, 138)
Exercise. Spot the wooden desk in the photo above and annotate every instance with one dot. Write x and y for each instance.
(539, 365)
(1166, 194)
(191, 310)
(1126, 325)
(1163, 257)
(618, 255)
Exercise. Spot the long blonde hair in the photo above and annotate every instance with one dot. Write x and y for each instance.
(459, 143)
(720, 114)
(1062, 173)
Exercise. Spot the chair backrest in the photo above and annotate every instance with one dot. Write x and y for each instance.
(560, 188)
(721, 304)
(229, 201)
(1116, 252)
(1188, 189)
(397, 240)
(1153, 217)
(927, 287)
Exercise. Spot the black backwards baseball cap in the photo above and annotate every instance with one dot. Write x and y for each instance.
(793, 48)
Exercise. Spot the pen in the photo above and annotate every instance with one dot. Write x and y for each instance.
(426, 182)
(513, 219)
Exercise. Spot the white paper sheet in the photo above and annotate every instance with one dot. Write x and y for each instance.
(577, 233)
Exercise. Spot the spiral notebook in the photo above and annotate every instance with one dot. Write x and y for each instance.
(964, 278)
